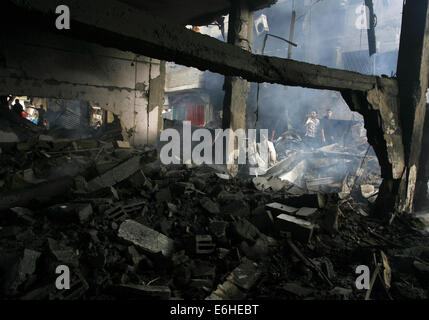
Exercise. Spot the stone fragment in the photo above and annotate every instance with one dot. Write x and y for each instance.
(145, 238)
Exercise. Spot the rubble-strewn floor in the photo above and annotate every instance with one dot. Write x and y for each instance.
(128, 227)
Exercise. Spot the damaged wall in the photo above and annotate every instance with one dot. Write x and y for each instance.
(60, 67)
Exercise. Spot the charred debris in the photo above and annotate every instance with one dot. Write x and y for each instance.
(128, 226)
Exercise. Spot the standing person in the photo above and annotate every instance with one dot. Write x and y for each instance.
(17, 107)
(312, 130)
(327, 128)
(42, 116)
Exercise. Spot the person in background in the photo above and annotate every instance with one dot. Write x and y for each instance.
(18, 108)
(327, 128)
(216, 123)
(42, 118)
(312, 130)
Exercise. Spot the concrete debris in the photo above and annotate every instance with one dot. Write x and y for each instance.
(22, 270)
(281, 208)
(209, 205)
(301, 230)
(204, 244)
(264, 184)
(242, 279)
(63, 253)
(306, 212)
(123, 144)
(145, 238)
(130, 227)
(223, 176)
(115, 175)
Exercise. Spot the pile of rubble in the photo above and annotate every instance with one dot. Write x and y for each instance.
(334, 168)
(129, 227)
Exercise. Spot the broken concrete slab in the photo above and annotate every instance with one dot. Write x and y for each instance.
(227, 291)
(300, 229)
(223, 176)
(145, 238)
(115, 175)
(265, 184)
(262, 248)
(280, 208)
(306, 212)
(209, 205)
(245, 275)
(123, 144)
(63, 253)
(19, 272)
(240, 280)
(245, 230)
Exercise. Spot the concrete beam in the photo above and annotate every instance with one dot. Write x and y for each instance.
(114, 24)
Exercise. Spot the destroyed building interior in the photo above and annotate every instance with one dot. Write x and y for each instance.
(331, 96)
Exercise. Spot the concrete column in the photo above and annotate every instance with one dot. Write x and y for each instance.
(420, 201)
(240, 33)
(413, 71)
